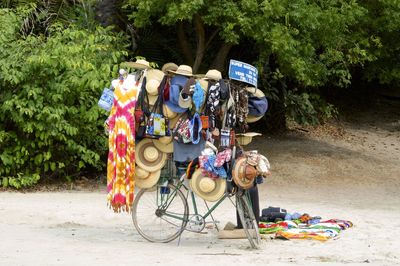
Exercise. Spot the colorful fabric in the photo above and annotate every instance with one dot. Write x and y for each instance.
(121, 144)
(208, 169)
(295, 229)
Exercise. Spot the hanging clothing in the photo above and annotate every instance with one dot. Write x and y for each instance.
(121, 143)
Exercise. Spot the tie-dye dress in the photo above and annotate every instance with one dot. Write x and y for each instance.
(121, 142)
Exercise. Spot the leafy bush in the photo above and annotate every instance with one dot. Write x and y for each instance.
(49, 87)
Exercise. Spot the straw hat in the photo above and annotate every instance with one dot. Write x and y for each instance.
(252, 118)
(243, 174)
(207, 188)
(213, 74)
(164, 144)
(169, 67)
(168, 112)
(246, 138)
(256, 92)
(152, 99)
(139, 64)
(154, 78)
(173, 121)
(145, 179)
(148, 157)
(183, 70)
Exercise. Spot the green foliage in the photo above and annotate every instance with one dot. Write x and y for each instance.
(307, 108)
(311, 44)
(50, 123)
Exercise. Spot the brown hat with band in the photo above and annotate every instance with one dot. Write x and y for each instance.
(243, 174)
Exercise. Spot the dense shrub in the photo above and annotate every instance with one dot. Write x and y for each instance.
(49, 87)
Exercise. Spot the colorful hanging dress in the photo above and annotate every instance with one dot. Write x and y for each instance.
(121, 143)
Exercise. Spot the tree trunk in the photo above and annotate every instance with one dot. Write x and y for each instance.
(219, 62)
(199, 26)
(184, 44)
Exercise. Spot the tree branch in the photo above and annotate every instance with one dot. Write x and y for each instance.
(184, 44)
(220, 60)
(199, 27)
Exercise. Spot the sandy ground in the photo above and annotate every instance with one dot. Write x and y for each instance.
(349, 172)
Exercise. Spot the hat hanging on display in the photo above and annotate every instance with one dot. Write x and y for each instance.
(152, 99)
(168, 112)
(213, 74)
(183, 70)
(258, 103)
(243, 174)
(207, 188)
(139, 64)
(145, 179)
(246, 138)
(148, 157)
(177, 83)
(169, 67)
(154, 78)
(252, 118)
(173, 121)
(164, 144)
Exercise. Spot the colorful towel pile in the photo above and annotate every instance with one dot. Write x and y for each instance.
(305, 227)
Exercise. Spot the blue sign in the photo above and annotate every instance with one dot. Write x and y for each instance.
(243, 72)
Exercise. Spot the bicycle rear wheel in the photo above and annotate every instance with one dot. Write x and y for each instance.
(248, 219)
(160, 213)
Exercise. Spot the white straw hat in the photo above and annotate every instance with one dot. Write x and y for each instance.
(148, 157)
(207, 188)
(145, 179)
(183, 70)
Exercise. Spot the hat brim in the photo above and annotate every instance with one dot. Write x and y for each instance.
(149, 181)
(146, 165)
(255, 92)
(252, 119)
(212, 196)
(180, 73)
(175, 108)
(173, 121)
(135, 65)
(167, 148)
(168, 112)
(237, 176)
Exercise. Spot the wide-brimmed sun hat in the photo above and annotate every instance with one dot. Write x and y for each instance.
(153, 81)
(252, 118)
(243, 174)
(207, 188)
(213, 74)
(169, 67)
(183, 70)
(168, 112)
(173, 121)
(145, 179)
(139, 64)
(246, 138)
(164, 144)
(148, 157)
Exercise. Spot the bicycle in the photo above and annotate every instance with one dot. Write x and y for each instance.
(161, 213)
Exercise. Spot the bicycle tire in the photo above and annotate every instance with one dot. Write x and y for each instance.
(152, 213)
(248, 220)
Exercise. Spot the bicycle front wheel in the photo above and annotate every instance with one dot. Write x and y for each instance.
(248, 219)
(160, 213)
